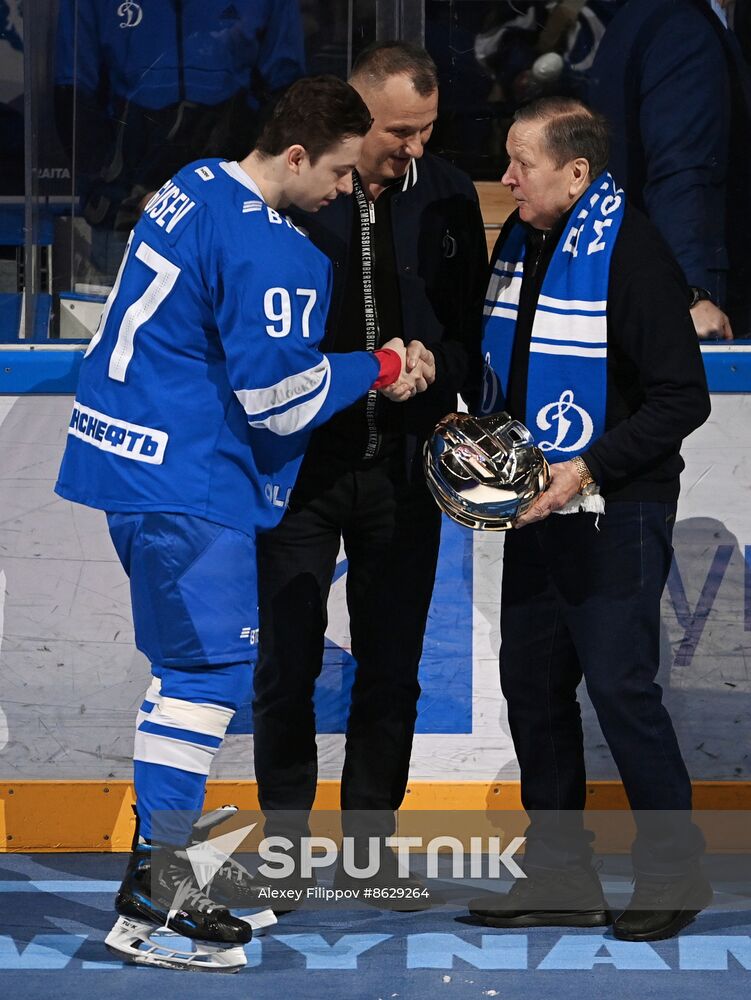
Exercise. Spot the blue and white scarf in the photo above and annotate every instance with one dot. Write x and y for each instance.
(567, 380)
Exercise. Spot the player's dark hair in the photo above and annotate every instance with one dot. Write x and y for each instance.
(571, 129)
(316, 112)
(381, 60)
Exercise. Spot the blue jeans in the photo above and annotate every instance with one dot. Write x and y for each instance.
(578, 601)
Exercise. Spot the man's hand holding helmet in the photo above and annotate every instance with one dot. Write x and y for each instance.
(484, 472)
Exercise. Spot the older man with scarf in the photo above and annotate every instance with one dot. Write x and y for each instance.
(588, 340)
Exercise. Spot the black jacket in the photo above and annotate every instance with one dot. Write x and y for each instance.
(441, 260)
(656, 385)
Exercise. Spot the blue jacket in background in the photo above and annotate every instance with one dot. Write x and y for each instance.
(143, 88)
(160, 52)
(667, 78)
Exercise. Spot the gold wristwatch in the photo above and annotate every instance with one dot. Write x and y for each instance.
(587, 485)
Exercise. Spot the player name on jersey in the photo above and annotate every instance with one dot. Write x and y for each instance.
(168, 206)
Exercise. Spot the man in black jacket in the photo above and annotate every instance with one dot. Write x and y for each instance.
(409, 260)
(604, 368)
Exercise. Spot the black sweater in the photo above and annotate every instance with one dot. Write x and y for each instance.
(656, 386)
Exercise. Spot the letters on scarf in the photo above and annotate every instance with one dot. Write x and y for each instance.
(567, 379)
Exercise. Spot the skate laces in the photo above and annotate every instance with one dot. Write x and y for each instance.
(188, 892)
(233, 872)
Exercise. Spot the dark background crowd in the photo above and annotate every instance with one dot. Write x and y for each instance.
(122, 95)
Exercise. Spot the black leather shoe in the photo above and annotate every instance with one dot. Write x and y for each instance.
(387, 890)
(547, 898)
(660, 908)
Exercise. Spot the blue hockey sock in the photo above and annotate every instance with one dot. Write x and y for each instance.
(179, 730)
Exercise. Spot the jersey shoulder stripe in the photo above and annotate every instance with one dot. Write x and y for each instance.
(232, 198)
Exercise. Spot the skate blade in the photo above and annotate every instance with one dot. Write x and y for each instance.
(144, 944)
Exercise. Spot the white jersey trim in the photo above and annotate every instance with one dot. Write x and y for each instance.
(296, 390)
(233, 169)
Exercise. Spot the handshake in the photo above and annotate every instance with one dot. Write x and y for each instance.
(418, 370)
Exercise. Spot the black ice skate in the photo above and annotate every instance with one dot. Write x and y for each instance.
(160, 897)
(232, 885)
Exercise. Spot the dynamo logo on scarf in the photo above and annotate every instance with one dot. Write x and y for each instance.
(567, 379)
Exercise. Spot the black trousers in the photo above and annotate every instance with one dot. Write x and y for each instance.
(577, 601)
(391, 533)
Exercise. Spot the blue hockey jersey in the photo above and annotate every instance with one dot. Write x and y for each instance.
(200, 389)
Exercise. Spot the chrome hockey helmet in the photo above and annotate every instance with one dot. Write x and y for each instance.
(484, 472)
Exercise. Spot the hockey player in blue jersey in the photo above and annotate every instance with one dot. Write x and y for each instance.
(196, 399)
